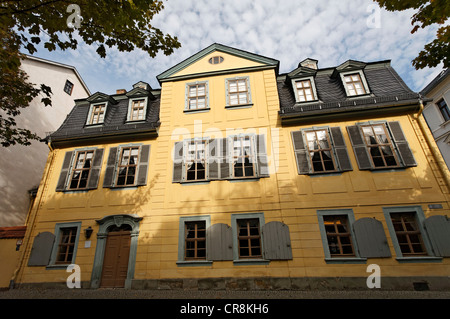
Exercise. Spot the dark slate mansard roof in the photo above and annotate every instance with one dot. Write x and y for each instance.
(386, 88)
(115, 124)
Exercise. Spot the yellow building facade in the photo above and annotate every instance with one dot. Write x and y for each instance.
(233, 176)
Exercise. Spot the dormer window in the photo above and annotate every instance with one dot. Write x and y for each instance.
(304, 89)
(354, 84)
(137, 109)
(97, 113)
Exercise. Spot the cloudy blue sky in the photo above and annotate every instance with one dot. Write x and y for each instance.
(287, 30)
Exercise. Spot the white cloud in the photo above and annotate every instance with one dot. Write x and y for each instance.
(286, 30)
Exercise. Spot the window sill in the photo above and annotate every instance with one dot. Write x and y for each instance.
(346, 260)
(135, 121)
(250, 262)
(320, 174)
(56, 266)
(244, 179)
(240, 106)
(419, 259)
(359, 96)
(117, 188)
(203, 182)
(194, 263)
(187, 111)
(94, 125)
(76, 191)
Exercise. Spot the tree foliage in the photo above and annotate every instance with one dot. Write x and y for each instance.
(24, 24)
(428, 12)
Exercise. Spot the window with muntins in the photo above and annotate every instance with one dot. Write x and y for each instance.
(379, 145)
(126, 170)
(68, 87)
(97, 114)
(338, 236)
(408, 234)
(197, 98)
(81, 170)
(354, 84)
(195, 164)
(137, 110)
(243, 157)
(66, 245)
(304, 91)
(238, 92)
(195, 240)
(249, 238)
(320, 151)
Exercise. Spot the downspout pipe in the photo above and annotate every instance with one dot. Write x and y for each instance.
(432, 146)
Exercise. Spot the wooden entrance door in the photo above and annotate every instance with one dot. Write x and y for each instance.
(115, 261)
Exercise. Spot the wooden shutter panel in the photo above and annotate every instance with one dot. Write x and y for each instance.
(340, 149)
(371, 239)
(359, 147)
(42, 249)
(276, 241)
(438, 230)
(301, 154)
(64, 172)
(219, 242)
(178, 162)
(95, 169)
(261, 156)
(213, 159)
(401, 144)
(110, 168)
(224, 159)
(144, 158)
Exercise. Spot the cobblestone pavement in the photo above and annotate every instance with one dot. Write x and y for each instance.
(215, 294)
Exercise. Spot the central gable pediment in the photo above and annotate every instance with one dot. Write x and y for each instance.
(231, 59)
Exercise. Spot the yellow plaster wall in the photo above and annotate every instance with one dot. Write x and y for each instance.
(9, 257)
(284, 196)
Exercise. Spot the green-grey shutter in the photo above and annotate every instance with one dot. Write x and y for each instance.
(213, 159)
(401, 144)
(371, 239)
(438, 230)
(96, 167)
(276, 241)
(41, 249)
(224, 159)
(108, 181)
(64, 172)
(219, 242)
(178, 162)
(359, 147)
(301, 154)
(340, 149)
(144, 158)
(262, 159)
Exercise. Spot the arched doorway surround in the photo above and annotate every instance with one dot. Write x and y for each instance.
(106, 223)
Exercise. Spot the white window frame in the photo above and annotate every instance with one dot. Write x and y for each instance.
(91, 109)
(249, 92)
(313, 88)
(363, 81)
(186, 102)
(130, 106)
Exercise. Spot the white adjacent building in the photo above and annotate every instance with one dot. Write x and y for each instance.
(21, 167)
(437, 112)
